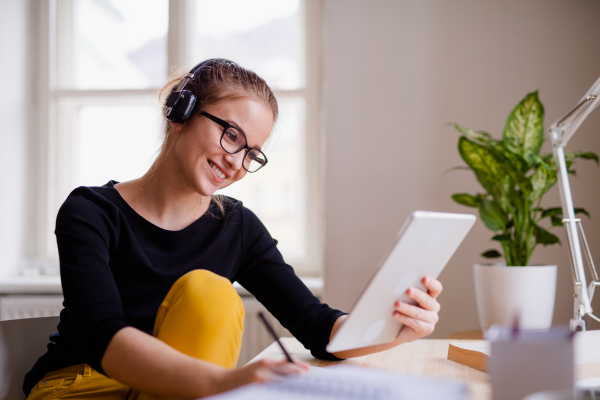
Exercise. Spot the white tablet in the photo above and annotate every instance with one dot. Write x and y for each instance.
(422, 248)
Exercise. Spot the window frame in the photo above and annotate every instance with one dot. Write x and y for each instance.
(180, 27)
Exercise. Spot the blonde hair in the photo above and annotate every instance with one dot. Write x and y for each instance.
(215, 80)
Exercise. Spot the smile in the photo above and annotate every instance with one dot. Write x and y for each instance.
(219, 173)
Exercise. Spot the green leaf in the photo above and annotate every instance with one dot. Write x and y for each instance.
(538, 183)
(556, 220)
(551, 179)
(581, 154)
(524, 130)
(457, 168)
(466, 199)
(581, 211)
(544, 237)
(517, 162)
(492, 215)
(547, 158)
(501, 238)
(488, 170)
(479, 136)
(538, 177)
(514, 166)
(557, 211)
(507, 192)
(491, 254)
(552, 211)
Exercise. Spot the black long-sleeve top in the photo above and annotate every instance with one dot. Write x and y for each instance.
(116, 268)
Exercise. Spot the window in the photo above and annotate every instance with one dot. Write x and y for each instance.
(100, 115)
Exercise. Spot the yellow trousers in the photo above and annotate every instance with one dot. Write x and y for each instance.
(202, 316)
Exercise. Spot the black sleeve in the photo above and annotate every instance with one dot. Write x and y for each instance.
(86, 231)
(276, 286)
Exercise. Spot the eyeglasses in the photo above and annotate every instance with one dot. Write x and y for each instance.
(233, 141)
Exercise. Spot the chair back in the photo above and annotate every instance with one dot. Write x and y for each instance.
(22, 342)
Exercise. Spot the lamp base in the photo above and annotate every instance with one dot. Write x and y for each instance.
(577, 325)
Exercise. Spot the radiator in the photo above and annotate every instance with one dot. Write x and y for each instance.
(255, 338)
(22, 306)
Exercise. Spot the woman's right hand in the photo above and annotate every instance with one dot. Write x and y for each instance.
(260, 371)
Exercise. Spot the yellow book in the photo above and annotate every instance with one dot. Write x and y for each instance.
(476, 353)
(472, 353)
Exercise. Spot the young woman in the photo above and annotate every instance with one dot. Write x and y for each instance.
(147, 265)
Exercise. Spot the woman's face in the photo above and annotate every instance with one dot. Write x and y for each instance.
(204, 164)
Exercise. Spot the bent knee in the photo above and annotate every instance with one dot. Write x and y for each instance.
(204, 286)
(205, 280)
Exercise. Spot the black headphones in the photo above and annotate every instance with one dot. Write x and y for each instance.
(180, 103)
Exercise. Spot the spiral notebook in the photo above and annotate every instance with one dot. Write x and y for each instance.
(349, 383)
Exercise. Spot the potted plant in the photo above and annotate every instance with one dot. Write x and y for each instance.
(514, 177)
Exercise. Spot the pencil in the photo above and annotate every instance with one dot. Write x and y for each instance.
(272, 332)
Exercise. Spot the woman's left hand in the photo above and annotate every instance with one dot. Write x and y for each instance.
(419, 319)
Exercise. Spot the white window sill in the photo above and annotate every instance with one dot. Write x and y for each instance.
(50, 284)
(43, 284)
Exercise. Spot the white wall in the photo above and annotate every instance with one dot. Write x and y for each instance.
(17, 89)
(396, 72)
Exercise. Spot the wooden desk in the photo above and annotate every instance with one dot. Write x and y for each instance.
(426, 357)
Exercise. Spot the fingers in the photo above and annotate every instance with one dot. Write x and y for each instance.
(288, 368)
(434, 287)
(424, 300)
(267, 370)
(416, 312)
(302, 364)
(421, 318)
(259, 371)
(421, 328)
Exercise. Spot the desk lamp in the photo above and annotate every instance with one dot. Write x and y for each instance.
(560, 132)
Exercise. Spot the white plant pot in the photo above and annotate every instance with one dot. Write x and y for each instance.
(503, 292)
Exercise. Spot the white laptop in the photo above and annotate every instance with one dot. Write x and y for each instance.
(422, 248)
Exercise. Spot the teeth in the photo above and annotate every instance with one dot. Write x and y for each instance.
(217, 170)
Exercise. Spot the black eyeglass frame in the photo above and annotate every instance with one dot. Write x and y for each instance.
(226, 125)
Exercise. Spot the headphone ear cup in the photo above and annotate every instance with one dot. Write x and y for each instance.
(183, 107)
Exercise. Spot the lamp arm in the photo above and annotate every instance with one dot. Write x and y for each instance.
(575, 117)
(560, 132)
(581, 298)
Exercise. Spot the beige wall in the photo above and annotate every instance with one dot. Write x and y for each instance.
(396, 72)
